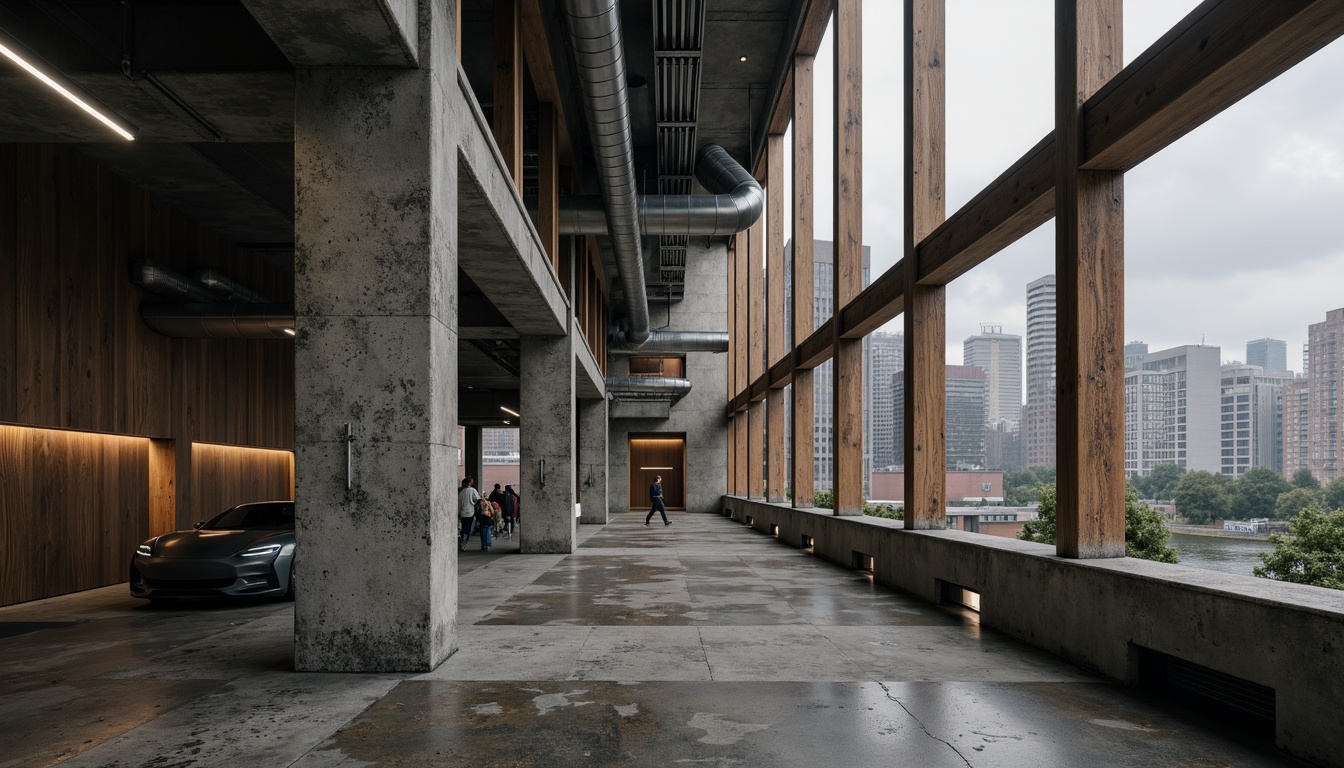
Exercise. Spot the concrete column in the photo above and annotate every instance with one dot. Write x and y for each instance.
(593, 461)
(375, 292)
(473, 455)
(547, 444)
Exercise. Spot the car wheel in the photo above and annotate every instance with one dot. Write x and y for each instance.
(289, 593)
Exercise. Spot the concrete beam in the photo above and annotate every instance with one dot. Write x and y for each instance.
(344, 33)
(589, 383)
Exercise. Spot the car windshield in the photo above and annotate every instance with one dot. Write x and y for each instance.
(255, 517)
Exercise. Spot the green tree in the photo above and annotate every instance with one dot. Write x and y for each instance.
(1145, 533)
(1256, 492)
(1333, 494)
(1303, 478)
(1162, 482)
(1200, 497)
(823, 500)
(1312, 552)
(1291, 503)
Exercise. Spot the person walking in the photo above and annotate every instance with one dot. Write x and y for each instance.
(656, 497)
(467, 497)
(485, 519)
(510, 506)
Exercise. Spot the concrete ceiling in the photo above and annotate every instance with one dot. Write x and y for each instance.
(212, 96)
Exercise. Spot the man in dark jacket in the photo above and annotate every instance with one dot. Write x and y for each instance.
(656, 498)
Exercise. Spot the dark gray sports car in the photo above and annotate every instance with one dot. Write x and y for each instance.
(247, 551)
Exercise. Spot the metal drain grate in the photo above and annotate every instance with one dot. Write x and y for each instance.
(1240, 702)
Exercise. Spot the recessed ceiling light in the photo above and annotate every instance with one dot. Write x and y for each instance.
(290, 331)
(744, 58)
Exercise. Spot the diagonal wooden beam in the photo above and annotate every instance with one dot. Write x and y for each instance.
(1219, 53)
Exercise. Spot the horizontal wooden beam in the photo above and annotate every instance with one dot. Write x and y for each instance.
(817, 348)
(1020, 200)
(876, 305)
(781, 373)
(1219, 53)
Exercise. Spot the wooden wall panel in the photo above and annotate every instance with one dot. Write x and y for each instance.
(659, 451)
(75, 355)
(225, 475)
(71, 510)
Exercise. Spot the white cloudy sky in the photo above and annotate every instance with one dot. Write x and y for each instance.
(1236, 232)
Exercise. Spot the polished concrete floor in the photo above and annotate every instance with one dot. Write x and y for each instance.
(702, 644)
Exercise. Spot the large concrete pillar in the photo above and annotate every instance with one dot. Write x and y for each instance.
(593, 458)
(473, 455)
(546, 445)
(375, 289)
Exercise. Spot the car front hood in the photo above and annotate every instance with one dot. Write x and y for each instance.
(215, 544)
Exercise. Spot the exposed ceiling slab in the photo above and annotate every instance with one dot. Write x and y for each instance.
(341, 33)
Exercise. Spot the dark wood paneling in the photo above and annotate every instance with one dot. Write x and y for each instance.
(660, 451)
(71, 509)
(75, 355)
(224, 475)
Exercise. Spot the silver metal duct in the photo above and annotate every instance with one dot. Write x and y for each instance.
(671, 343)
(220, 321)
(226, 289)
(736, 203)
(648, 385)
(595, 34)
(158, 279)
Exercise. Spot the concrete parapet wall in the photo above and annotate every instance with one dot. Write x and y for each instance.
(1288, 637)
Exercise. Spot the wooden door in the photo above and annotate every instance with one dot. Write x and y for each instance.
(653, 455)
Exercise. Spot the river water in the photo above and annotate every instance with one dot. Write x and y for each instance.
(1219, 554)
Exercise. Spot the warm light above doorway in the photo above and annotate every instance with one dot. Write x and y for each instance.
(34, 65)
(668, 469)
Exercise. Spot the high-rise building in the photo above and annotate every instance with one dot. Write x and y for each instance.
(1296, 418)
(1323, 419)
(1252, 418)
(823, 388)
(1038, 417)
(888, 351)
(1269, 354)
(1000, 355)
(1172, 416)
(965, 424)
(1134, 354)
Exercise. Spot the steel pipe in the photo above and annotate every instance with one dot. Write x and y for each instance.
(671, 343)
(220, 321)
(648, 385)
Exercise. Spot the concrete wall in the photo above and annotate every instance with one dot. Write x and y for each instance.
(1288, 637)
(702, 413)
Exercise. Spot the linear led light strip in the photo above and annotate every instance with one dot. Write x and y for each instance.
(12, 49)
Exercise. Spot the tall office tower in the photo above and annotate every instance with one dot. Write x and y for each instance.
(1325, 386)
(1038, 416)
(1269, 354)
(500, 442)
(823, 388)
(888, 350)
(965, 424)
(1252, 418)
(1000, 355)
(1134, 353)
(1172, 410)
(1296, 421)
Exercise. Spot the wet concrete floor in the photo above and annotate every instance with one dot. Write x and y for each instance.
(702, 644)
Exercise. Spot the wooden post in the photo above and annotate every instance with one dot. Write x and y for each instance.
(740, 255)
(733, 387)
(925, 402)
(548, 181)
(508, 85)
(847, 362)
(755, 263)
(1090, 309)
(802, 411)
(774, 348)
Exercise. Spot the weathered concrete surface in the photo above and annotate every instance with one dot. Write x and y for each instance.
(590, 384)
(638, 662)
(1093, 612)
(376, 305)
(700, 415)
(546, 445)
(345, 33)
(593, 482)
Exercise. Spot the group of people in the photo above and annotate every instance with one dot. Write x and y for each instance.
(483, 514)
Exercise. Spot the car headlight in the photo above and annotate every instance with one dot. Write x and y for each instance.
(261, 551)
(144, 550)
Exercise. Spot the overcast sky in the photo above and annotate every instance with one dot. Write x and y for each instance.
(1236, 232)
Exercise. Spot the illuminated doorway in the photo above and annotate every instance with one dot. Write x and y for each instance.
(658, 454)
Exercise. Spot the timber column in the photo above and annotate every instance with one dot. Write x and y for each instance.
(376, 298)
